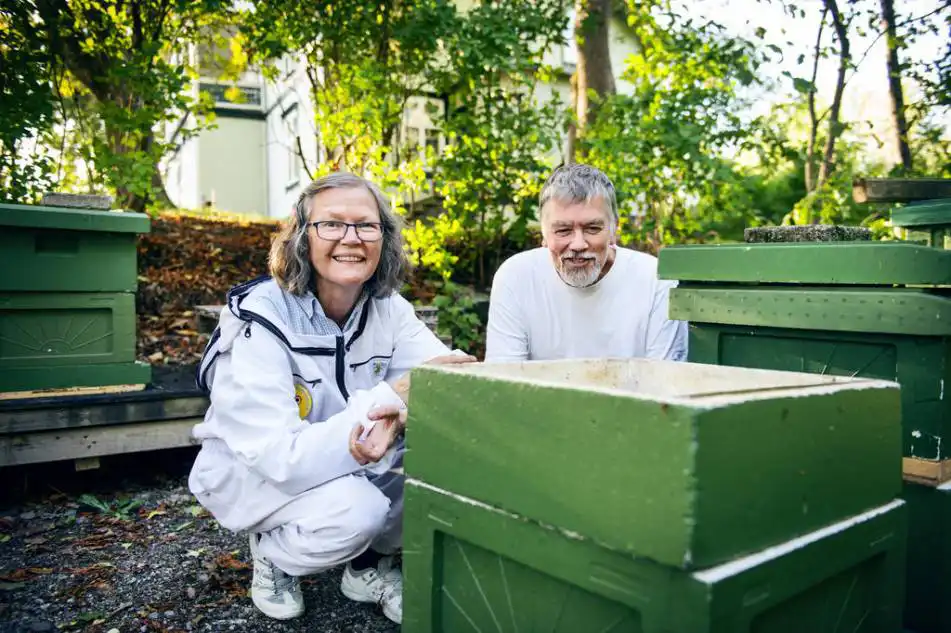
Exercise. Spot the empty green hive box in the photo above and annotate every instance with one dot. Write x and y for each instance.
(867, 309)
(68, 250)
(688, 465)
(469, 567)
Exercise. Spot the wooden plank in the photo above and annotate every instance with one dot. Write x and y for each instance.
(51, 446)
(77, 415)
(69, 391)
(900, 189)
(925, 471)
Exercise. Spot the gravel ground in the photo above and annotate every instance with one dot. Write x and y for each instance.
(127, 549)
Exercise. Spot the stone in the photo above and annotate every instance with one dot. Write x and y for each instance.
(77, 201)
(806, 233)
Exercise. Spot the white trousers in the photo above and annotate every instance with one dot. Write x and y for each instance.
(334, 523)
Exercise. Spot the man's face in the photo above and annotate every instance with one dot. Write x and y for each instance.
(579, 237)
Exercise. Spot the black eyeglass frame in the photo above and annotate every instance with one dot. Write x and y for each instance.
(356, 226)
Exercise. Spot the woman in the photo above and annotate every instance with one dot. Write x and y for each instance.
(307, 373)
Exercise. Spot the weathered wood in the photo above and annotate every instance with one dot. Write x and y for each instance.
(51, 446)
(900, 189)
(926, 471)
(71, 391)
(806, 233)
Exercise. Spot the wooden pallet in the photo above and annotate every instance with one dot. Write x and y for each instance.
(926, 471)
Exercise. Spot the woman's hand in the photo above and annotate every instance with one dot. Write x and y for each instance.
(390, 422)
(401, 386)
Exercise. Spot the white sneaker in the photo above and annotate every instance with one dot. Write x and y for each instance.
(275, 593)
(382, 584)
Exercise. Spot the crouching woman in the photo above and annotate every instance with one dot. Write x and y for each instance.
(306, 379)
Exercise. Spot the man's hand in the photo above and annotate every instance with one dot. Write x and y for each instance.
(390, 421)
(452, 359)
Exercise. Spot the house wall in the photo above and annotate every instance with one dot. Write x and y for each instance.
(231, 166)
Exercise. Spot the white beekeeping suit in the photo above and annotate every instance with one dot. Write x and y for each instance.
(287, 387)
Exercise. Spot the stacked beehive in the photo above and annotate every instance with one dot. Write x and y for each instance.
(852, 308)
(635, 495)
(67, 298)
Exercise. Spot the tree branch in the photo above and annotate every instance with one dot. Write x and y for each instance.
(834, 124)
(811, 100)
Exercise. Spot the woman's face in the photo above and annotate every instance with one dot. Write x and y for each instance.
(345, 260)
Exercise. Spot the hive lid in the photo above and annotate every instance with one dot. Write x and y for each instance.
(827, 263)
(35, 216)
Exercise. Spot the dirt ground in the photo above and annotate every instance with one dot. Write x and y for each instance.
(126, 548)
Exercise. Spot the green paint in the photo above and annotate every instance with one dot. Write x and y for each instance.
(688, 482)
(932, 213)
(55, 340)
(922, 365)
(845, 263)
(50, 218)
(928, 579)
(910, 312)
(472, 568)
(66, 376)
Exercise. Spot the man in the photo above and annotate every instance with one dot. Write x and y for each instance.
(579, 296)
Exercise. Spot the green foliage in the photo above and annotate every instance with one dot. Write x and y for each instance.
(116, 72)
(26, 110)
(123, 509)
(663, 144)
(458, 318)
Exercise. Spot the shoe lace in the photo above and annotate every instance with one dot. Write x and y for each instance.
(392, 581)
(280, 581)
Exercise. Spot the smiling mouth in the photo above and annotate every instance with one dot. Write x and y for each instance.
(349, 259)
(578, 261)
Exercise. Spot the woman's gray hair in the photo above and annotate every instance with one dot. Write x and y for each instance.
(574, 183)
(289, 259)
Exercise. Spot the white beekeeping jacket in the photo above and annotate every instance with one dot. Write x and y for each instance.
(284, 400)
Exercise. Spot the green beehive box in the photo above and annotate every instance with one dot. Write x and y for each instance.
(59, 340)
(868, 309)
(689, 465)
(471, 567)
(53, 249)
(928, 580)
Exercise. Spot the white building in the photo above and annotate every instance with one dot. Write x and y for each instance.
(250, 161)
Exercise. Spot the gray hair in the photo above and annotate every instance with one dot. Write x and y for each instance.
(289, 259)
(574, 183)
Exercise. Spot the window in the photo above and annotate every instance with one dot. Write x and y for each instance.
(233, 95)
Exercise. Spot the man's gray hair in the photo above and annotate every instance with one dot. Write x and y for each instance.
(574, 183)
(289, 259)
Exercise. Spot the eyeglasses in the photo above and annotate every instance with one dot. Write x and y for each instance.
(332, 230)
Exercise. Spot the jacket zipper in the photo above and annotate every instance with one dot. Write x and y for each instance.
(341, 368)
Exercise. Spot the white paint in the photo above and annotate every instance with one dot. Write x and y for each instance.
(740, 565)
(916, 433)
(460, 498)
(571, 534)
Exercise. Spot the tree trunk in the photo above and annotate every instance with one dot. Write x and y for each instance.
(835, 125)
(593, 76)
(894, 84)
(810, 166)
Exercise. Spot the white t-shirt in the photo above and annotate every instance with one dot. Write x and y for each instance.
(534, 315)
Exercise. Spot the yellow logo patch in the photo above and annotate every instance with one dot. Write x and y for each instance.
(304, 400)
